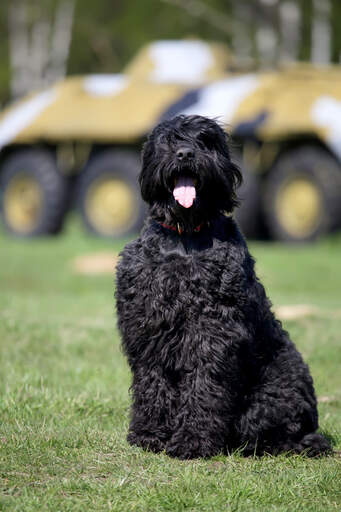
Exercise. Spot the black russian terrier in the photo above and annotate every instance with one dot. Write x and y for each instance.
(213, 370)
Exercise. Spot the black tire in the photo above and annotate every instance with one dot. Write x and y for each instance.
(109, 197)
(302, 195)
(248, 214)
(33, 193)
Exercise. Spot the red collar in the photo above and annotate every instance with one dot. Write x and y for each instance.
(180, 230)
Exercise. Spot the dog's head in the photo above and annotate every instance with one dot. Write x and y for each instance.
(187, 176)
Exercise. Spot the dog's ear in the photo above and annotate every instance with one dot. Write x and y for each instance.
(231, 172)
(149, 187)
(142, 175)
(146, 149)
(235, 180)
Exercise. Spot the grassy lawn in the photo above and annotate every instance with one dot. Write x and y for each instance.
(64, 399)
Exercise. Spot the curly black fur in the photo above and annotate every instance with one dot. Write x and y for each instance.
(213, 370)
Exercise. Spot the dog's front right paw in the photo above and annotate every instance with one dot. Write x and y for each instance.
(146, 441)
(191, 446)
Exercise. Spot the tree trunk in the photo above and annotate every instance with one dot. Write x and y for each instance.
(290, 21)
(18, 47)
(61, 40)
(321, 32)
(38, 49)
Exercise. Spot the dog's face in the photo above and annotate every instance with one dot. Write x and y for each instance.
(187, 176)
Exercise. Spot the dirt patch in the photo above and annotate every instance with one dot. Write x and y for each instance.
(95, 263)
(296, 311)
(325, 399)
(292, 312)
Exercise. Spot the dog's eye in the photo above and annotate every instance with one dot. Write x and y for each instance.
(161, 139)
(204, 140)
(161, 143)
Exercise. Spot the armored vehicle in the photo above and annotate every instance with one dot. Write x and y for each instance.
(78, 142)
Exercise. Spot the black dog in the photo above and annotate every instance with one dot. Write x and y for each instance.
(213, 370)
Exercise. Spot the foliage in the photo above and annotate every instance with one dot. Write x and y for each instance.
(64, 391)
(107, 34)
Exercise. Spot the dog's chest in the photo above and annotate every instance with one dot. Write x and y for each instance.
(188, 308)
(186, 290)
(182, 308)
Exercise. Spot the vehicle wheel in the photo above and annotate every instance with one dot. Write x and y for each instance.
(248, 213)
(302, 196)
(32, 193)
(108, 195)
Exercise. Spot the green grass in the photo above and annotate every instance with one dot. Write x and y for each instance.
(64, 399)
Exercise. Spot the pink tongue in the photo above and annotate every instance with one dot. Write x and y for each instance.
(184, 191)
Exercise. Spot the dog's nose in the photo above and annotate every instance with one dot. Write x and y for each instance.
(184, 153)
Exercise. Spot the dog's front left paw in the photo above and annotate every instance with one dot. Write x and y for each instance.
(187, 445)
(146, 441)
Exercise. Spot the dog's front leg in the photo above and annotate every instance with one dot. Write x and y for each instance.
(154, 402)
(203, 420)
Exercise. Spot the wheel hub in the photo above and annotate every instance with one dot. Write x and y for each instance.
(23, 203)
(110, 206)
(299, 207)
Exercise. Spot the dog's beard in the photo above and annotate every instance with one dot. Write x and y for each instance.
(189, 195)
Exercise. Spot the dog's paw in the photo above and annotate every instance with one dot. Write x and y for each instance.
(186, 445)
(313, 445)
(147, 442)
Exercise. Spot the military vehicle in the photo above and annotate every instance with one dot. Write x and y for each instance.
(78, 142)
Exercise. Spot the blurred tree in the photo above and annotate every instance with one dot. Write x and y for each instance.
(4, 55)
(39, 45)
(290, 30)
(336, 30)
(321, 32)
(107, 34)
(306, 22)
(112, 32)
